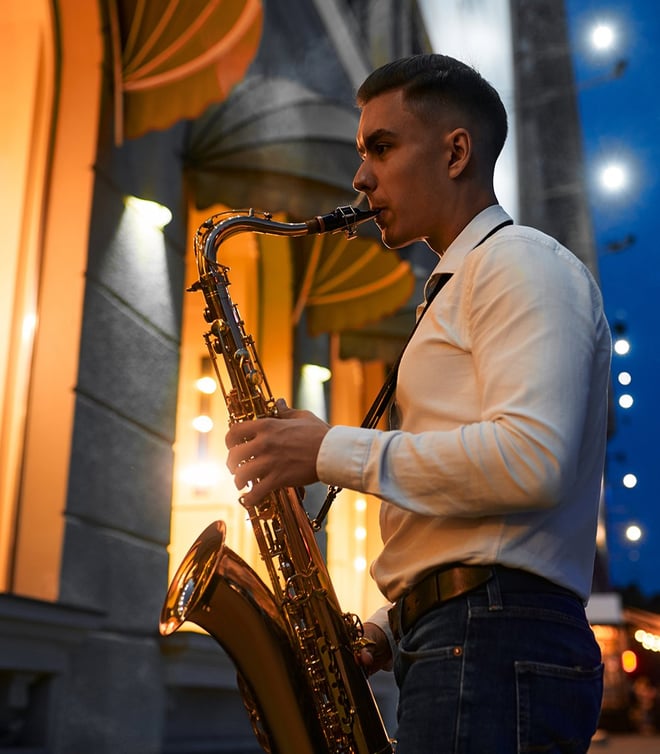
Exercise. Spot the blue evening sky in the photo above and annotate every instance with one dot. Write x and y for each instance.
(621, 124)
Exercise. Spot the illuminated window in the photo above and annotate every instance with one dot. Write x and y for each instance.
(48, 147)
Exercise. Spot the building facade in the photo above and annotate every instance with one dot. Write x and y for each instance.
(195, 107)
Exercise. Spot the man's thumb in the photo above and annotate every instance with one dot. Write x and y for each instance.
(282, 408)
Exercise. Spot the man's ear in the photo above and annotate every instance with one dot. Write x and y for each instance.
(460, 151)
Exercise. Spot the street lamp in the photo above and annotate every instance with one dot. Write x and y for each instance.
(621, 346)
(614, 177)
(602, 36)
(629, 481)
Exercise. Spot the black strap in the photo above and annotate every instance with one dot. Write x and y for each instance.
(382, 400)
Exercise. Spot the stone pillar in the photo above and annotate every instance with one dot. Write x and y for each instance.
(553, 194)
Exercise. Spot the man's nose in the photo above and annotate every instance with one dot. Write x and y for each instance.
(363, 180)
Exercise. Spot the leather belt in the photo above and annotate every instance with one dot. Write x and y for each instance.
(448, 582)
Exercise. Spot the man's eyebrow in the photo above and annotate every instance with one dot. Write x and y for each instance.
(374, 137)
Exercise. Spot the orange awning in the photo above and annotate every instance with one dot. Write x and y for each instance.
(173, 58)
(346, 284)
(349, 284)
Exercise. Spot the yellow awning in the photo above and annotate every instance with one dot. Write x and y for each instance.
(349, 284)
(346, 284)
(173, 58)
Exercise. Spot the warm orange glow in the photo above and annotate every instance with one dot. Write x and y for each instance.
(26, 69)
(203, 489)
(172, 65)
(629, 661)
(353, 531)
(605, 634)
(648, 640)
(206, 385)
(47, 171)
(203, 423)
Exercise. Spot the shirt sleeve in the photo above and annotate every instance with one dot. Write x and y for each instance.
(380, 618)
(530, 313)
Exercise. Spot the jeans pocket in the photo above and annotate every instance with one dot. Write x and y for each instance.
(558, 707)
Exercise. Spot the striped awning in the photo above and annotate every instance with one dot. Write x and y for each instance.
(173, 58)
(350, 284)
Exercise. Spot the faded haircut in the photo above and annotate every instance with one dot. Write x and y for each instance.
(432, 83)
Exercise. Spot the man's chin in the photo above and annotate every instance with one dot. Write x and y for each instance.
(390, 241)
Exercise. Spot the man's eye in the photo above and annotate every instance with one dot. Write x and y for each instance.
(380, 149)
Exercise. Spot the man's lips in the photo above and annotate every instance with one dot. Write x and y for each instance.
(379, 216)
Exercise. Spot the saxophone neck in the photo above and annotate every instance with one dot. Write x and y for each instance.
(220, 227)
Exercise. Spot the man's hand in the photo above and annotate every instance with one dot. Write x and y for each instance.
(378, 654)
(269, 454)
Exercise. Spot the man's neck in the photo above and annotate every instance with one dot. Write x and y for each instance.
(461, 215)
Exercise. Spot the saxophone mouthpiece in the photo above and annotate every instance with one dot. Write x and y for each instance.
(342, 219)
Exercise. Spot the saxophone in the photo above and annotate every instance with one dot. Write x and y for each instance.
(293, 648)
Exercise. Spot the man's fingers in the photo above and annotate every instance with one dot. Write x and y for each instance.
(251, 471)
(239, 433)
(238, 455)
(255, 491)
(281, 405)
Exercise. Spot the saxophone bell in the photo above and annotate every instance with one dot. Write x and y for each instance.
(293, 647)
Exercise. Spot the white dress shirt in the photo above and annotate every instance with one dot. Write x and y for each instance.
(502, 400)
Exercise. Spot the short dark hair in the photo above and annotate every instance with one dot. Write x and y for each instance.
(432, 80)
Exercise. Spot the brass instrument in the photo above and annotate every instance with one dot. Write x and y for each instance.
(293, 648)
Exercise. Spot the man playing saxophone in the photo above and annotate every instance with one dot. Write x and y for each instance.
(490, 482)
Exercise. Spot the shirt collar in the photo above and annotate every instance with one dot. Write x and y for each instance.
(471, 236)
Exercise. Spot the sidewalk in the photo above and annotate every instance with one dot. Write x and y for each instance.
(626, 743)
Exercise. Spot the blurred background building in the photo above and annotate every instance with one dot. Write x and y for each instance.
(125, 125)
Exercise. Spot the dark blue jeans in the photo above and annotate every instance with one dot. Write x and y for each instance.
(499, 673)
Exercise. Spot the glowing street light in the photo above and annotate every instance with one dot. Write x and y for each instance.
(629, 481)
(626, 400)
(603, 39)
(614, 177)
(602, 36)
(621, 346)
(633, 533)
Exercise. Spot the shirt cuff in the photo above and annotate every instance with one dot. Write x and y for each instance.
(342, 457)
(380, 619)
